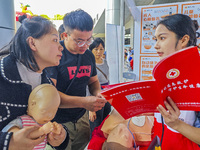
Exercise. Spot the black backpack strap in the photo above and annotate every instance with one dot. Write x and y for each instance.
(78, 66)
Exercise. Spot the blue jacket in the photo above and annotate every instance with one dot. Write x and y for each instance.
(13, 96)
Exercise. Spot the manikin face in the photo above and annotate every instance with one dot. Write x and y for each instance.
(115, 130)
(72, 39)
(121, 135)
(98, 52)
(48, 50)
(43, 103)
(111, 122)
(166, 42)
(46, 114)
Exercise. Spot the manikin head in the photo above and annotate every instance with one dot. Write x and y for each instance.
(116, 132)
(120, 132)
(43, 103)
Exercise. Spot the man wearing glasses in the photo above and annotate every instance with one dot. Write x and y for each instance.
(77, 69)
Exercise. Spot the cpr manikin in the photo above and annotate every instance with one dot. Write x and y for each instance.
(136, 130)
(43, 104)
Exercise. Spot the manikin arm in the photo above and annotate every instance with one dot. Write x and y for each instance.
(44, 130)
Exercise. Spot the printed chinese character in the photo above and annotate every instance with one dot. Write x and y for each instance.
(184, 86)
(185, 81)
(173, 84)
(179, 82)
(198, 85)
(191, 86)
(168, 85)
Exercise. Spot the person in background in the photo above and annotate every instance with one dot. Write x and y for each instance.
(181, 128)
(125, 55)
(77, 69)
(132, 51)
(130, 54)
(131, 64)
(61, 31)
(34, 47)
(97, 48)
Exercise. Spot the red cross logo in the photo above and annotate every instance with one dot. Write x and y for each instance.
(173, 73)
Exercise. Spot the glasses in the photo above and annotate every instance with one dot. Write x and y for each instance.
(82, 43)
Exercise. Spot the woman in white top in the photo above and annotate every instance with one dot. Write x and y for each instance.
(181, 128)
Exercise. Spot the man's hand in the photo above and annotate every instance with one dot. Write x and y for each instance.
(94, 103)
(21, 139)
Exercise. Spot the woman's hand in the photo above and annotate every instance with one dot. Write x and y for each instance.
(92, 116)
(21, 139)
(171, 118)
(171, 115)
(56, 138)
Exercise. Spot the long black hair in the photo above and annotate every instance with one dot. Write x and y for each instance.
(181, 25)
(19, 48)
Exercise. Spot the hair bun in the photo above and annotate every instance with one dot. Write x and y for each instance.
(21, 18)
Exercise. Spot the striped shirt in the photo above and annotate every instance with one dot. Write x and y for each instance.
(29, 121)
